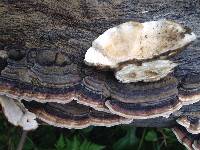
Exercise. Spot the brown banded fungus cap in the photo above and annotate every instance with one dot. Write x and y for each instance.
(139, 51)
(50, 79)
(144, 100)
(73, 115)
(190, 141)
(189, 91)
(191, 123)
(38, 75)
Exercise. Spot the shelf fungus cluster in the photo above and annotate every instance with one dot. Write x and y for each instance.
(54, 86)
(139, 51)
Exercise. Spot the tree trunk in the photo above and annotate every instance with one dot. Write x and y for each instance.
(74, 24)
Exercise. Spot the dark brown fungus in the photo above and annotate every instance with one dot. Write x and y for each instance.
(191, 123)
(73, 115)
(52, 79)
(16, 54)
(190, 141)
(144, 100)
(21, 90)
(91, 92)
(39, 81)
(189, 91)
(94, 92)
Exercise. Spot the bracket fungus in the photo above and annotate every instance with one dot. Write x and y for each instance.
(134, 73)
(74, 115)
(17, 114)
(139, 51)
(144, 100)
(189, 89)
(191, 142)
(191, 123)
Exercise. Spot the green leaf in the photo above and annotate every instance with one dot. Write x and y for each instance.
(127, 141)
(60, 145)
(75, 143)
(87, 130)
(29, 145)
(78, 144)
(151, 136)
(87, 145)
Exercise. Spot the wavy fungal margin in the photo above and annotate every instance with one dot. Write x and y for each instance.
(122, 47)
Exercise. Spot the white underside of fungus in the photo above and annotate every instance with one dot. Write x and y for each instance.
(148, 71)
(17, 114)
(133, 42)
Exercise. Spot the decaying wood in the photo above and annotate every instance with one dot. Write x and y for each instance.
(71, 26)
